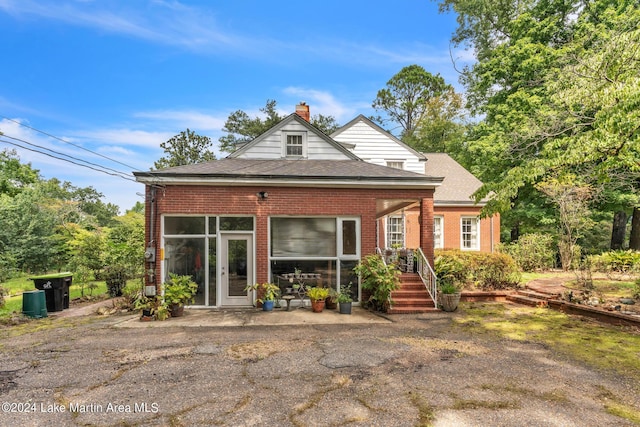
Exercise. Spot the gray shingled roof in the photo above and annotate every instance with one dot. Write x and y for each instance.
(294, 169)
(458, 185)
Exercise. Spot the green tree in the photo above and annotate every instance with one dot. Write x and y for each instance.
(27, 230)
(550, 86)
(406, 99)
(89, 200)
(441, 128)
(15, 176)
(241, 128)
(186, 148)
(125, 245)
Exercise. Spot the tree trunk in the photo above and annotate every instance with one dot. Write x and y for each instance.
(515, 233)
(634, 240)
(619, 230)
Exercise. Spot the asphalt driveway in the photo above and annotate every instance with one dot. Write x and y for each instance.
(406, 370)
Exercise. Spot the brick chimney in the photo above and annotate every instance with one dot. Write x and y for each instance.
(302, 110)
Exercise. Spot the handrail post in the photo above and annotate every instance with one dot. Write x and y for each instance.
(428, 276)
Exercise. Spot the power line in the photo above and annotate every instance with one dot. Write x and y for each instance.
(67, 160)
(70, 143)
(66, 155)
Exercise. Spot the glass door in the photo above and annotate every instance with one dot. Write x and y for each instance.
(236, 269)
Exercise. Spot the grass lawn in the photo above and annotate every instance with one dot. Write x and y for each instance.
(605, 346)
(604, 287)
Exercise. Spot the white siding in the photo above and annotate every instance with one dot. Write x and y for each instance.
(270, 147)
(375, 147)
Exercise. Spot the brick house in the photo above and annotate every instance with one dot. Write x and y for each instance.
(457, 221)
(292, 199)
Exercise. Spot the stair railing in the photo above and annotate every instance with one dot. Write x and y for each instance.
(428, 276)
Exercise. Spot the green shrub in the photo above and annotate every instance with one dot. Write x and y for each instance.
(532, 252)
(116, 278)
(379, 279)
(450, 268)
(616, 262)
(485, 271)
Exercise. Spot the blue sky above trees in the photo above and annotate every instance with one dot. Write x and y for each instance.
(119, 78)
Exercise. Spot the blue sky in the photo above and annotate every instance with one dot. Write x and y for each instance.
(117, 78)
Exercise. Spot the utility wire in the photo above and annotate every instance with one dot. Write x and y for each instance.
(67, 160)
(66, 155)
(70, 143)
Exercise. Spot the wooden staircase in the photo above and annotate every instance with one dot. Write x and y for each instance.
(412, 297)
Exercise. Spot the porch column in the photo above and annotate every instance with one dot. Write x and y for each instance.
(426, 228)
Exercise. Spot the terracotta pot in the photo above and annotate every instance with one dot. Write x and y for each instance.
(177, 310)
(317, 306)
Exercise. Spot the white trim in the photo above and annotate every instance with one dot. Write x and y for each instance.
(340, 244)
(207, 235)
(402, 233)
(390, 183)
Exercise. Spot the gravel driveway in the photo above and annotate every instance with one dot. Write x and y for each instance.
(415, 370)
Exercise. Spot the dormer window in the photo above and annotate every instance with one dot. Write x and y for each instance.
(294, 144)
(396, 164)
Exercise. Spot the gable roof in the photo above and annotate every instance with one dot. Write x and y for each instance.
(283, 172)
(458, 185)
(282, 124)
(368, 122)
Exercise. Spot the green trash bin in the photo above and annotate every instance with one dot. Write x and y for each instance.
(34, 304)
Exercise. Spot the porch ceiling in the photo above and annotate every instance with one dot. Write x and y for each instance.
(388, 206)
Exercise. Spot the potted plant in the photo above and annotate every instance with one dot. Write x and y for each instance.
(345, 300)
(331, 303)
(379, 279)
(449, 296)
(152, 307)
(317, 296)
(143, 303)
(178, 291)
(267, 293)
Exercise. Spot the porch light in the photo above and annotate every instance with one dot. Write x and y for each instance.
(262, 195)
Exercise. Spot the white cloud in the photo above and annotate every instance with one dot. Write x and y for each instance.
(194, 120)
(322, 102)
(170, 23)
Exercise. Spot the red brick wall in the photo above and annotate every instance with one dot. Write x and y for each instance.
(452, 216)
(210, 200)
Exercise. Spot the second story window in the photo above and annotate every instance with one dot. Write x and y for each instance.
(294, 145)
